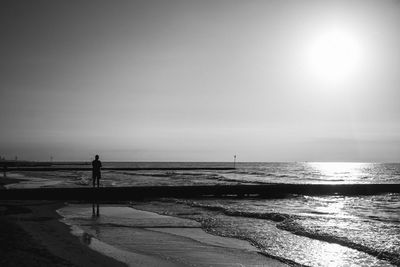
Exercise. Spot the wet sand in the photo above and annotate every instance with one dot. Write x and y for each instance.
(32, 235)
(176, 241)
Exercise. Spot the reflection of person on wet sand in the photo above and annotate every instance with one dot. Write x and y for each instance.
(95, 209)
(86, 238)
(96, 172)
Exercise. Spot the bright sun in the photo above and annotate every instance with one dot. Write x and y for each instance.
(334, 55)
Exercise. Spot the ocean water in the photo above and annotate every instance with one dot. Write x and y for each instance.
(307, 230)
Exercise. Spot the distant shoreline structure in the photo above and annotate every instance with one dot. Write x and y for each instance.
(27, 163)
(41, 169)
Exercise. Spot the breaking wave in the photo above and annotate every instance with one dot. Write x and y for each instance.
(291, 224)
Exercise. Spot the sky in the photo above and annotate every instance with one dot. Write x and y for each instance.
(200, 80)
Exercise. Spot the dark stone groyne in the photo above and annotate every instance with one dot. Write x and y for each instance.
(151, 192)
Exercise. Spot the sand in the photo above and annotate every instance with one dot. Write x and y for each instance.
(38, 238)
(176, 240)
(33, 235)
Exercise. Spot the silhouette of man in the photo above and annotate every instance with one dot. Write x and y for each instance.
(96, 172)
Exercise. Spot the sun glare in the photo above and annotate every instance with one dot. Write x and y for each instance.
(334, 55)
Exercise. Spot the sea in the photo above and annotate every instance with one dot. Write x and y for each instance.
(329, 230)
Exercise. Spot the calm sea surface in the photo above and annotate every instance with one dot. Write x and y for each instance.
(308, 230)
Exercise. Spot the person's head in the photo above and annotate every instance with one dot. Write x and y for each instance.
(97, 157)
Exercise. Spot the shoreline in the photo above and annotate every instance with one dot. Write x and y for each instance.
(38, 238)
(173, 241)
(34, 235)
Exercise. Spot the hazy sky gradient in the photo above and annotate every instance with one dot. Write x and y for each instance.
(195, 81)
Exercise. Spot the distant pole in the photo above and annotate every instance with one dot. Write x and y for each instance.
(234, 161)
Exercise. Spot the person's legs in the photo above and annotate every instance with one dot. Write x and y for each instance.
(98, 176)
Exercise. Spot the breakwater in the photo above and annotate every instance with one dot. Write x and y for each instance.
(203, 191)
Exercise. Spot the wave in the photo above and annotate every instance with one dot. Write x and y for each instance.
(242, 181)
(288, 223)
(179, 175)
(143, 174)
(286, 176)
(266, 174)
(258, 173)
(272, 216)
(293, 227)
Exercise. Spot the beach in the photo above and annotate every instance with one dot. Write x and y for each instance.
(200, 133)
(33, 235)
(306, 214)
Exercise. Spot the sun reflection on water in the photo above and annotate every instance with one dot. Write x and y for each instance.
(332, 207)
(341, 171)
